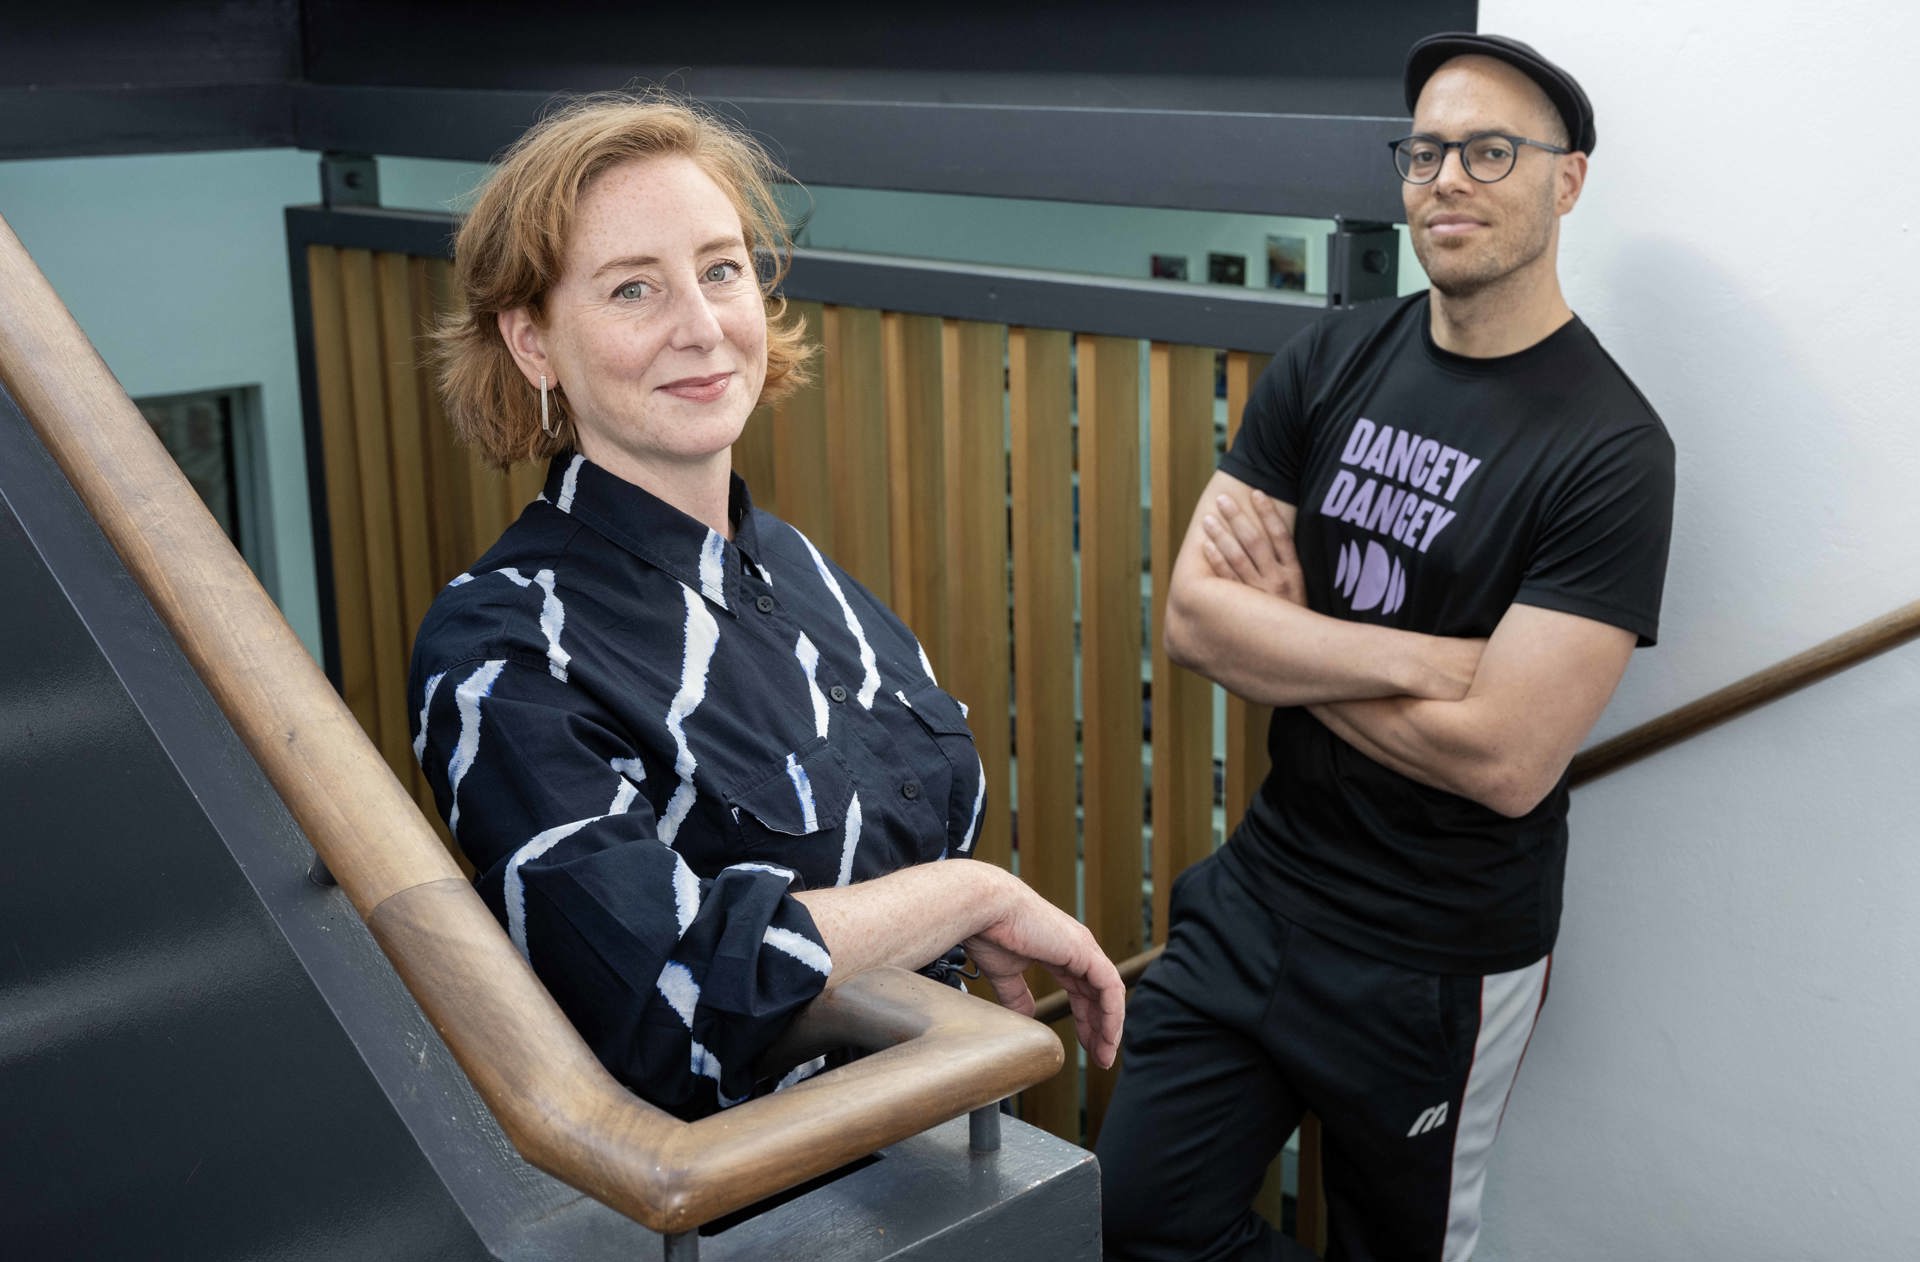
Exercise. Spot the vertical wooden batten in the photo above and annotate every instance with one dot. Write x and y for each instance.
(857, 455)
(916, 487)
(333, 382)
(974, 463)
(1112, 783)
(805, 497)
(1180, 387)
(1247, 721)
(1039, 374)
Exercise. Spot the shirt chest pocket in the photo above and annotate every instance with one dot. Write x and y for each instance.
(941, 716)
(794, 813)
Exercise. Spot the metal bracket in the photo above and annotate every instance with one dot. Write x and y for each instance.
(349, 179)
(1363, 261)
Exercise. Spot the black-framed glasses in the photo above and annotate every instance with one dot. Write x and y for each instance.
(1487, 156)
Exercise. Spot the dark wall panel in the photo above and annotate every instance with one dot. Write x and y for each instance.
(576, 44)
(142, 44)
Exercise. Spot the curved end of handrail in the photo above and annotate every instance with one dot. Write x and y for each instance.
(935, 1053)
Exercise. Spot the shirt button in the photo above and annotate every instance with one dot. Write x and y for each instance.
(910, 791)
(837, 692)
(764, 604)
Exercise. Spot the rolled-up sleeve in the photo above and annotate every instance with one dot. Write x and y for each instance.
(678, 982)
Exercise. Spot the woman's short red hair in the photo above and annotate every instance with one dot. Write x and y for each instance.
(510, 250)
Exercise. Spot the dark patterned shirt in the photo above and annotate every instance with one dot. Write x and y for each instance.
(646, 737)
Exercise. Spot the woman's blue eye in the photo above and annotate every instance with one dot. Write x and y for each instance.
(632, 291)
(723, 271)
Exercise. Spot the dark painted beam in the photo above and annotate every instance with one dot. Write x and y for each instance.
(65, 122)
(1312, 165)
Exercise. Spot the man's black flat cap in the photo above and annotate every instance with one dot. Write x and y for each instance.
(1427, 55)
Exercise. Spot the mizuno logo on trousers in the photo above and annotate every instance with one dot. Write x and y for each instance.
(1432, 1119)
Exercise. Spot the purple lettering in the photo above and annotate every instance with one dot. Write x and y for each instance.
(1362, 503)
(1357, 441)
(1441, 517)
(1338, 492)
(1461, 473)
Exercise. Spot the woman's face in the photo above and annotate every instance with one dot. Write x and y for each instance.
(656, 329)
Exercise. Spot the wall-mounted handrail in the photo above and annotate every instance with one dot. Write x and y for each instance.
(1828, 657)
(944, 1053)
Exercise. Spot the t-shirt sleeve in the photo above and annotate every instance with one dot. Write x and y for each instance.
(1602, 550)
(678, 983)
(1270, 451)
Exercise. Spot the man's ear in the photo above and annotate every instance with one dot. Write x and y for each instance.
(527, 343)
(1572, 178)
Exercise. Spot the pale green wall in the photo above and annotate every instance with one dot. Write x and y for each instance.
(175, 265)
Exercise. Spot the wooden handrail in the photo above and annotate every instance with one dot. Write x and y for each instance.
(1829, 656)
(938, 1053)
(1849, 648)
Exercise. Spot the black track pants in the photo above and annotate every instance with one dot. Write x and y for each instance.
(1247, 1022)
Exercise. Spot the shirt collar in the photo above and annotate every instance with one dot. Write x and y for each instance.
(642, 523)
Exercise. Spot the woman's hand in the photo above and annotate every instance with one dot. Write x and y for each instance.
(1034, 931)
(911, 917)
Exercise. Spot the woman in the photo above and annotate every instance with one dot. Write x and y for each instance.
(701, 772)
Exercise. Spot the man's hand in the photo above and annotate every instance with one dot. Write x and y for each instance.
(1253, 548)
(1256, 548)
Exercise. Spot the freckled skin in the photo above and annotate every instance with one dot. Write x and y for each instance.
(656, 331)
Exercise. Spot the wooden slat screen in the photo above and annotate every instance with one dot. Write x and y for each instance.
(1181, 430)
(986, 482)
(408, 508)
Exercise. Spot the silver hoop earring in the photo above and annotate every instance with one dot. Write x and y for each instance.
(545, 428)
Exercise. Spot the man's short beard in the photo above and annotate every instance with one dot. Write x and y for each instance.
(1495, 272)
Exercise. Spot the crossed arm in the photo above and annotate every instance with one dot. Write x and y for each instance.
(1494, 720)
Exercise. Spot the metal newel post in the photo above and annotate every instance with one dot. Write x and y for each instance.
(983, 1128)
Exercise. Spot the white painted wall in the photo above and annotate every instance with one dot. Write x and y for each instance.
(1724, 1068)
(175, 266)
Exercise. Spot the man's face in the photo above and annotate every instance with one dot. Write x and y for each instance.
(1469, 235)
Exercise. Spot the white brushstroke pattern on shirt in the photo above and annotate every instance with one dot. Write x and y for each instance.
(420, 741)
(801, 948)
(466, 699)
(870, 682)
(702, 636)
(803, 790)
(809, 656)
(514, 891)
(569, 484)
(713, 560)
(851, 843)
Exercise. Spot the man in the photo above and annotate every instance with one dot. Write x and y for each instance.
(1437, 539)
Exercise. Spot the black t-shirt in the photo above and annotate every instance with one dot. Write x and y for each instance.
(1434, 491)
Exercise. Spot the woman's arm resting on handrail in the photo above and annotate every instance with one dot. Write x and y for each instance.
(912, 916)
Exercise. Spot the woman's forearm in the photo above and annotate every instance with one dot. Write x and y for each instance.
(909, 918)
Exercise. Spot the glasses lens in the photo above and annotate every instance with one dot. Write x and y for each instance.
(1489, 158)
(1418, 159)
